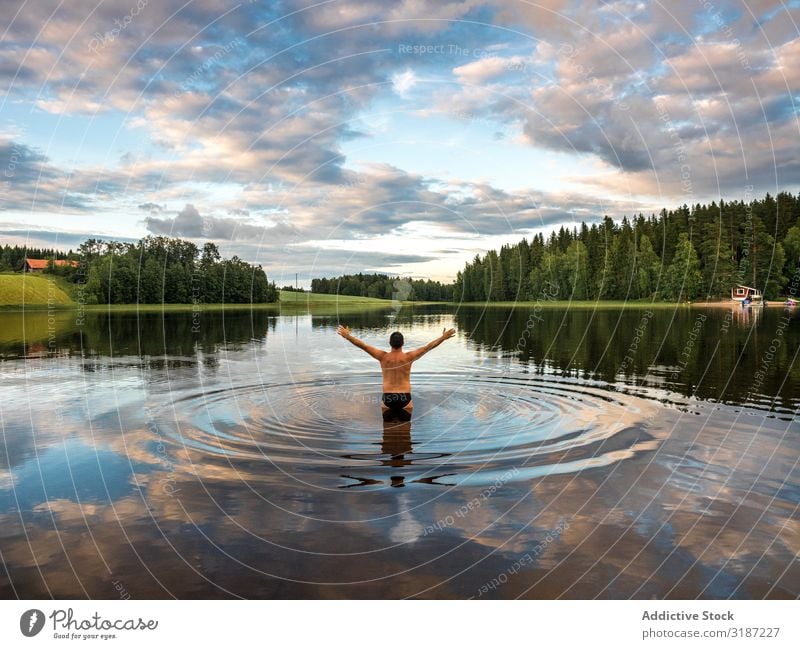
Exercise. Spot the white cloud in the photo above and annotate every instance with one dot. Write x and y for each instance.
(403, 82)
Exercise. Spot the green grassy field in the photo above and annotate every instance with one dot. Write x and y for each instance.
(34, 291)
(19, 289)
(45, 291)
(290, 297)
(287, 301)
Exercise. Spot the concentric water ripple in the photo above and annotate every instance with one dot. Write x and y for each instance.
(466, 429)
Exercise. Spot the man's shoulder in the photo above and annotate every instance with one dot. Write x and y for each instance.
(393, 357)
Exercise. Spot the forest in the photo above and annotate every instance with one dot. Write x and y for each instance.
(688, 253)
(384, 286)
(154, 270)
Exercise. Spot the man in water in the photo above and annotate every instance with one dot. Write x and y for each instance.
(396, 367)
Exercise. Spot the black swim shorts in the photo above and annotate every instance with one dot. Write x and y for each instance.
(396, 400)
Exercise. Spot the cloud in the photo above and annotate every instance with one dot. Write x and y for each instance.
(28, 181)
(245, 110)
(403, 82)
(490, 68)
(16, 234)
(153, 208)
(190, 224)
(652, 102)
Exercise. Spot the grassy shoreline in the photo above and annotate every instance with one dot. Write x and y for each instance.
(345, 305)
(605, 304)
(290, 301)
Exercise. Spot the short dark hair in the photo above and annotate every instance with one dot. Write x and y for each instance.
(396, 340)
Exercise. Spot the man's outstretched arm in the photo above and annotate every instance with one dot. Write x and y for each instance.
(376, 353)
(446, 333)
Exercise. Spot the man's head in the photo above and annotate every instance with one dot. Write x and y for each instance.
(396, 340)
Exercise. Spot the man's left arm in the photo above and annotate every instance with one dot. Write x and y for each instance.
(419, 352)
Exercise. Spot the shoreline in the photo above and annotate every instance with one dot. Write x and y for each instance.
(614, 304)
(350, 304)
(193, 308)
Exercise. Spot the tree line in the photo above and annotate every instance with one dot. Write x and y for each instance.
(13, 257)
(155, 270)
(385, 287)
(688, 253)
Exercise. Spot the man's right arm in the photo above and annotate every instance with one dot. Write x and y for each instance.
(376, 353)
(421, 351)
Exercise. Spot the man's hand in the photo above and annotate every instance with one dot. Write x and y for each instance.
(448, 333)
(343, 331)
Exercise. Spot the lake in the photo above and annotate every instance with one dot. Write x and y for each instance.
(552, 453)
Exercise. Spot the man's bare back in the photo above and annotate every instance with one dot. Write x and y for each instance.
(396, 365)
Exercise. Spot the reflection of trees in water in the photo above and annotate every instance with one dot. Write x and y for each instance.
(670, 349)
(374, 318)
(673, 348)
(146, 334)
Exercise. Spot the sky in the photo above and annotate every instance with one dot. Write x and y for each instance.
(338, 136)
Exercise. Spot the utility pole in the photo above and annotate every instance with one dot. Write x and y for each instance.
(295, 287)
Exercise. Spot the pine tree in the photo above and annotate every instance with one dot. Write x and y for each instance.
(575, 271)
(648, 268)
(683, 277)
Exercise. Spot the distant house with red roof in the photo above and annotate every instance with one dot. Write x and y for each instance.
(40, 265)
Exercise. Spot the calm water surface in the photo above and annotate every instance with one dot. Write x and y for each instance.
(551, 454)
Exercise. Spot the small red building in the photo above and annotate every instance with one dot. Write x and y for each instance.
(40, 265)
(742, 293)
